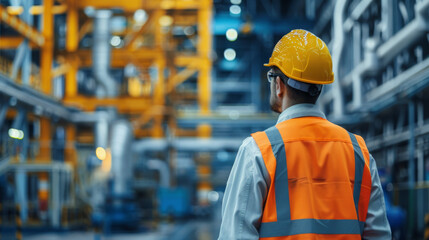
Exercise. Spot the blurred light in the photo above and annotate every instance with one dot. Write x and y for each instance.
(213, 196)
(165, 21)
(234, 115)
(235, 2)
(100, 153)
(89, 11)
(235, 9)
(229, 54)
(115, 41)
(231, 34)
(16, 133)
(140, 16)
(106, 164)
(189, 30)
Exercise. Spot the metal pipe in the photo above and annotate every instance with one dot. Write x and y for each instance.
(101, 55)
(162, 168)
(340, 6)
(403, 39)
(187, 144)
(121, 139)
(101, 129)
(411, 164)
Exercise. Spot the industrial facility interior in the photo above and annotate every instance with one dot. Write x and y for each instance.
(122, 119)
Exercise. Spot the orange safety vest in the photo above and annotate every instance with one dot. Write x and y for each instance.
(320, 181)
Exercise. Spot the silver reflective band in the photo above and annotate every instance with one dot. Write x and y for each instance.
(305, 87)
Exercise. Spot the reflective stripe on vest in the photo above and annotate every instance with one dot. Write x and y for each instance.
(285, 226)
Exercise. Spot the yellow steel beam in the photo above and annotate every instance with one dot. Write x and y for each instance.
(130, 39)
(180, 78)
(46, 57)
(21, 27)
(204, 48)
(123, 104)
(185, 60)
(60, 70)
(86, 27)
(148, 115)
(142, 4)
(13, 42)
(72, 44)
(36, 10)
(122, 57)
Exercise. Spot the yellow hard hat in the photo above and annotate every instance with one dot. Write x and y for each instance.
(303, 56)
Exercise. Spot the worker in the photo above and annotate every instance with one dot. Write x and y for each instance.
(305, 177)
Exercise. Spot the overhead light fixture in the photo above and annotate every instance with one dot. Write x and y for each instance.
(189, 31)
(235, 2)
(100, 153)
(89, 11)
(235, 10)
(16, 133)
(231, 34)
(165, 21)
(116, 41)
(229, 54)
(140, 16)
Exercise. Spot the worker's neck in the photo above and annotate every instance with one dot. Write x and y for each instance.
(287, 103)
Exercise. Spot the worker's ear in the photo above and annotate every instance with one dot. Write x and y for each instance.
(280, 87)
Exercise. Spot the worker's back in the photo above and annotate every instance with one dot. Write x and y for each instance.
(320, 179)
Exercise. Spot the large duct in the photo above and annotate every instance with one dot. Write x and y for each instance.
(121, 140)
(101, 55)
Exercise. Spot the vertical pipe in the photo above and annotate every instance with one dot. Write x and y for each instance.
(338, 20)
(26, 68)
(101, 55)
(122, 135)
(20, 175)
(3, 110)
(387, 18)
(55, 204)
(411, 167)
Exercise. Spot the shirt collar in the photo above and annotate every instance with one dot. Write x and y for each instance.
(300, 110)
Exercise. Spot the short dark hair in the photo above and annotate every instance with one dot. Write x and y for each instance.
(296, 95)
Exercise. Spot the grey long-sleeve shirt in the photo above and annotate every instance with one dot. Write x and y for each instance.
(248, 185)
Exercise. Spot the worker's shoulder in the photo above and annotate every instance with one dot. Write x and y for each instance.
(247, 143)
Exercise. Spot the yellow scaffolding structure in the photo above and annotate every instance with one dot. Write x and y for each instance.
(197, 13)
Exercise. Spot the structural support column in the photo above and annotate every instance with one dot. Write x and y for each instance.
(204, 49)
(45, 140)
(159, 91)
(72, 43)
(70, 150)
(47, 48)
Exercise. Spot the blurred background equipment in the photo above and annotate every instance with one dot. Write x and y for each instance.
(122, 118)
